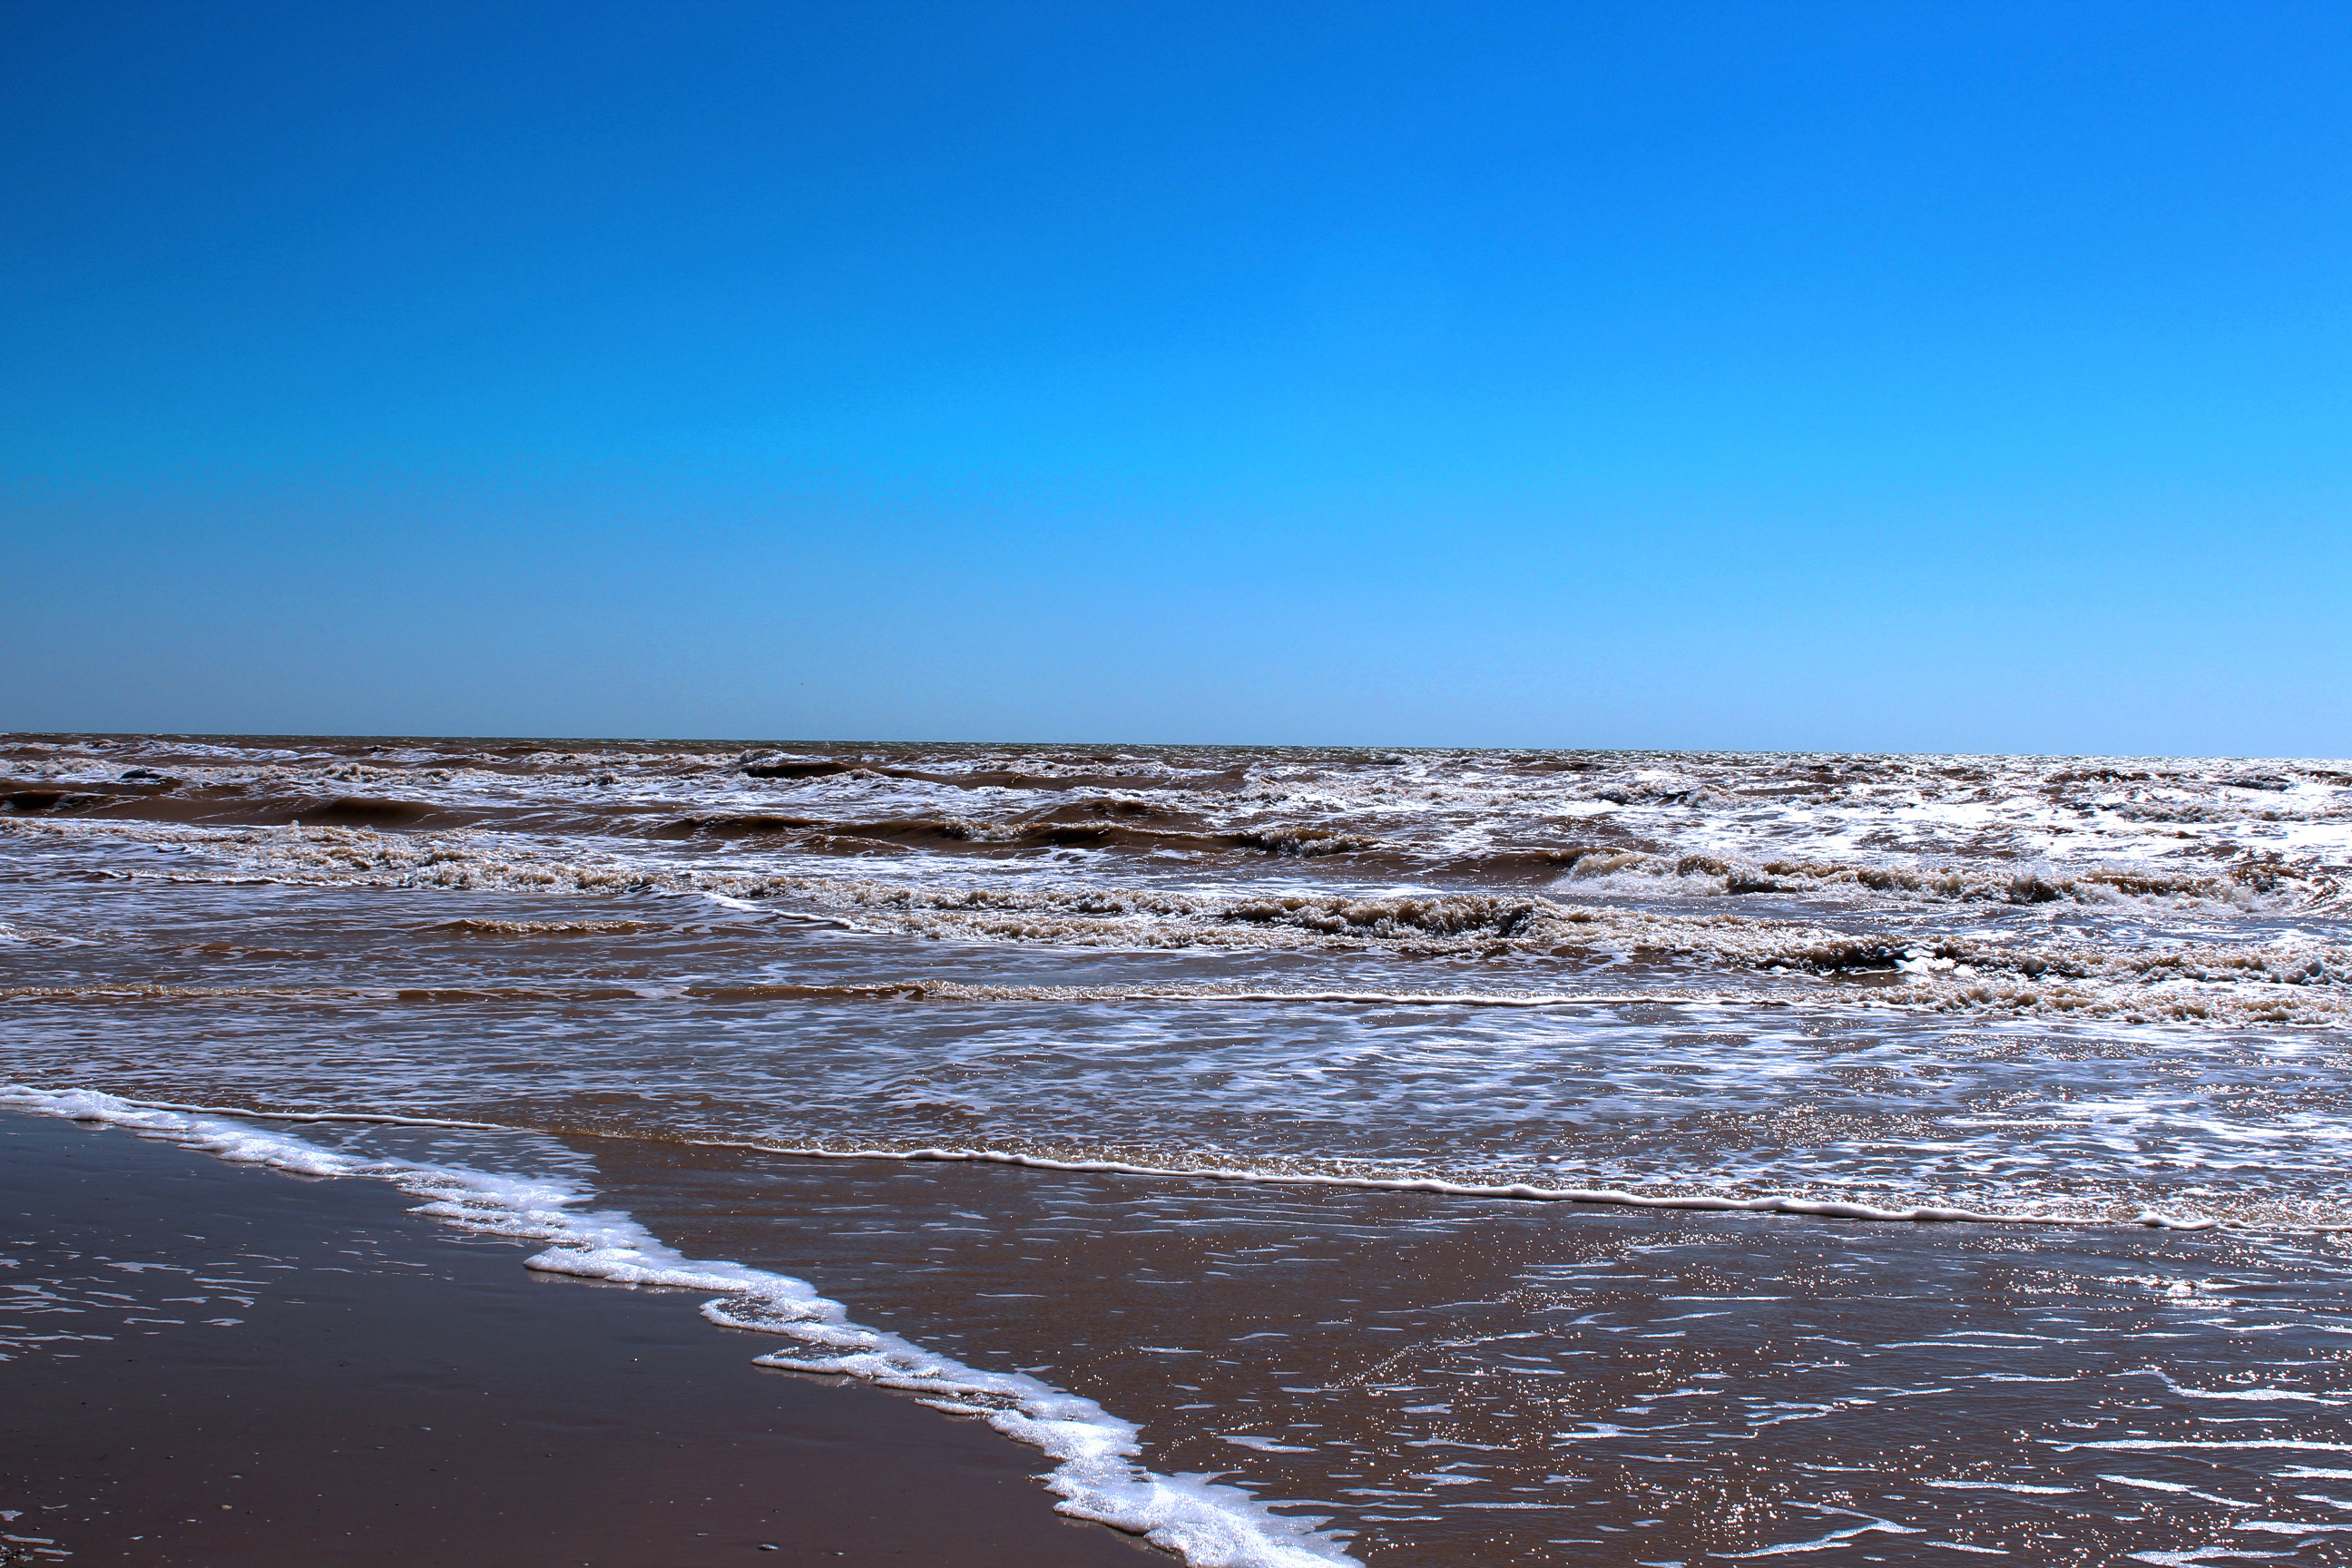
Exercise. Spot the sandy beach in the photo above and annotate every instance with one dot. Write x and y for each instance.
(212, 1365)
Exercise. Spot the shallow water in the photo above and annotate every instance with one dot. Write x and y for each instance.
(1264, 996)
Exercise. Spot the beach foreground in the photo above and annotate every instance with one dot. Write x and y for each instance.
(1419, 1160)
(220, 1364)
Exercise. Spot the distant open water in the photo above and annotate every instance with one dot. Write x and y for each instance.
(1428, 1157)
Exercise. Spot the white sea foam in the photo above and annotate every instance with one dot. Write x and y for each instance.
(1521, 1190)
(1702, 1203)
(2145, 1483)
(1906, 989)
(2257, 1395)
(2161, 1445)
(1834, 1541)
(2289, 979)
(1096, 1474)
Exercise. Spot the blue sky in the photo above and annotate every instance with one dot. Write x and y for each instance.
(1920, 377)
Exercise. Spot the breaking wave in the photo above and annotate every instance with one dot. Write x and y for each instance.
(2254, 883)
(2294, 979)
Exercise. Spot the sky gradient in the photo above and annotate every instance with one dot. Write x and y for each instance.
(1952, 377)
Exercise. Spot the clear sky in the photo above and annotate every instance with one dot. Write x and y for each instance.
(1951, 377)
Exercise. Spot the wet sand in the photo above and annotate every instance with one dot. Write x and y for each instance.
(216, 1364)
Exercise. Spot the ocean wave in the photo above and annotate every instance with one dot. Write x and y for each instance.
(2211, 834)
(1267, 1170)
(2248, 999)
(2293, 979)
(1098, 829)
(544, 928)
(2255, 882)
(1049, 776)
(2251, 1002)
(950, 991)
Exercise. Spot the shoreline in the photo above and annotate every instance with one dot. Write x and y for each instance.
(211, 1363)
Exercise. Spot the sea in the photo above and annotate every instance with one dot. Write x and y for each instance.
(1320, 1156)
